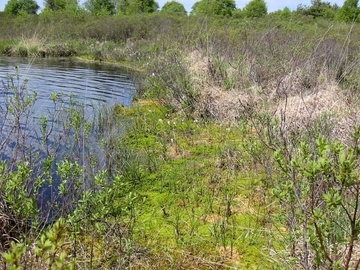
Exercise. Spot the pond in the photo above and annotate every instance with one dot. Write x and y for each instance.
(89, 82)
(72, 100)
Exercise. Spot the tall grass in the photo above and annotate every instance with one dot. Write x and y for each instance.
(206, 172)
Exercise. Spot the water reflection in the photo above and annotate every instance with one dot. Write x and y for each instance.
(81, 90)
(88, 82)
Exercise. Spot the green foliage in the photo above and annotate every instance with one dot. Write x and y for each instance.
(256, 8)
(318, 8)
(60, 5)
(70, 173)
(283, 14)
(171, 84)
(214, 7)
(48, 251)
(350, 11)
(5, 47)
(15, 189)
(100, 7)
(331, 13)
(320, 193)
(64, 9)
(129, 7)
(189, 207)
(14, 257)
(238, 13)
(19, 190)
(30, 170)
(203, 186)
(16, 7)
(173, 7)
(22, 99)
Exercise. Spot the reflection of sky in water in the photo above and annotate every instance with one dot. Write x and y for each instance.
(90, 83)
(95, 85)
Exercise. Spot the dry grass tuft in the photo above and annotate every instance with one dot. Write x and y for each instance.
(230, 254)
(30, 46)
(214, 101)
(298, 98)
(311, 105)
(345, 125)
(302, 110)
(218, 104)
(197, 66)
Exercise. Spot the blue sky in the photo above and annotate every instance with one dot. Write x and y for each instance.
(272, 5)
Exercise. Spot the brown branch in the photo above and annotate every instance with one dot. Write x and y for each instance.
(321, 239)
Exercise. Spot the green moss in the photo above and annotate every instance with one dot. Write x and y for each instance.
(188, 190)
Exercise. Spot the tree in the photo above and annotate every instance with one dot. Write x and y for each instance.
(173, 7)
(57, 5)
(238, 13)
(128, 7)
(350, 11)
(214, 7)
(256, 8)
(97, 7)
(282, 14)
(318, 8)
(16, 7)
(285, 13)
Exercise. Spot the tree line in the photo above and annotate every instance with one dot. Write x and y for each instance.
(349, 12)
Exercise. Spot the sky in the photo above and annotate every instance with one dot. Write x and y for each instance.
(272, 5)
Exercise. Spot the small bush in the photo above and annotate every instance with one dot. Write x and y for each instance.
(170, 83)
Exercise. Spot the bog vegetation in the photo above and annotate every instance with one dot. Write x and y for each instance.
(241, 150)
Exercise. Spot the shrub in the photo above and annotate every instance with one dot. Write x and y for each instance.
(170, 83)
(173, 8)
(350, 11)
(213, 7)
(16, 7)
(255, 8)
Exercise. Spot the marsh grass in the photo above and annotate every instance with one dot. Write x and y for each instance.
(204, 212)
(191, 182)
(42, 179)
(30, 47)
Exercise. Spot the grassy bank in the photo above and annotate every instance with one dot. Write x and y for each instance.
(197, 202)
(241, 149)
